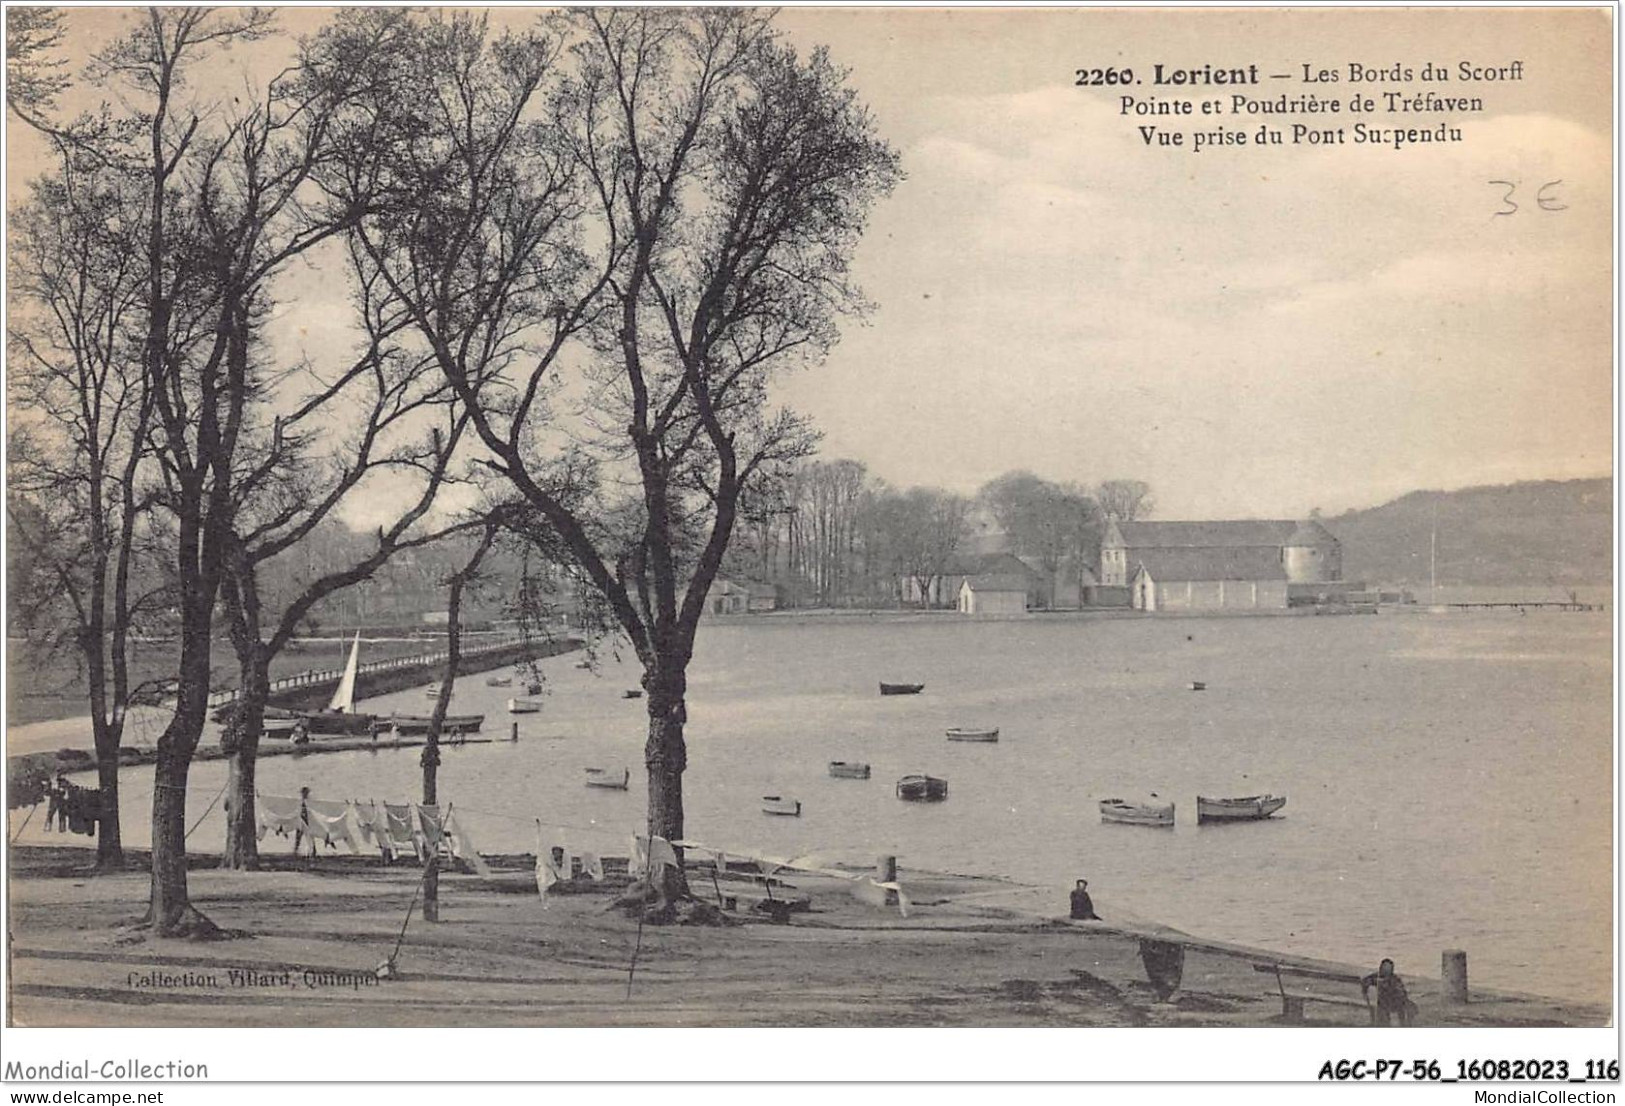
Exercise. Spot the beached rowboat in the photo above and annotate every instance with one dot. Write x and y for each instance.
(453, 723)
(958, 734)
(900, 689)
(778, 804)
(1137, 813)
(524, 706)
(848, 770)
(922, 788)
(1251, 808)
(614, 778)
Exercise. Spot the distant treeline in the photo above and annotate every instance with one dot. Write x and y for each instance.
(1553, 532)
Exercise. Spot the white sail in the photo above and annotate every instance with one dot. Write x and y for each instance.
(344, 697)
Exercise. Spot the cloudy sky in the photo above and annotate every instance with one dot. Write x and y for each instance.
(1255, 332)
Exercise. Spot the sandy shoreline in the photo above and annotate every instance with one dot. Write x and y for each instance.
(502, 956)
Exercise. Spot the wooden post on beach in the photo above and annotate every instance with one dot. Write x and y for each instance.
(886, 872)
(1455, 975)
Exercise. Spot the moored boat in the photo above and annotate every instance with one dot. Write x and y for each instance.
(1137, 813)
(499, 681)
(921, 788)
(1198, 685)
(452, 724)
(279, 727)
(848, 770)
(341, 717)
(900, 689)
(616, 779)
(632, 693)
(779, 804)
(524, 706)
(432, 691)
(959, 734)
(1249, 808)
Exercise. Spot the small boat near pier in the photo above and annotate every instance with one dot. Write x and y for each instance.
(848, 770)
(1249, 808)
(615, 779)
(781, 805)
(1137, 812)
(958, 734)
(922, 788)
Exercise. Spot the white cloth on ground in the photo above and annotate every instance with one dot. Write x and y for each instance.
(661, 854)
(329, 821)
(462, 847)
(365, 815)
(398, 821)
(546, 876)
(279, 813)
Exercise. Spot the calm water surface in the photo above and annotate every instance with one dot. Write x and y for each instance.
(1449, 777)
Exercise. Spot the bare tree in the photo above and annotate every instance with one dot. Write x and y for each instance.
(1124, 500)
(685, 209)
(81, 413)
(926, 526)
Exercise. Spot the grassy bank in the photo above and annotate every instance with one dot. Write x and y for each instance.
(501, 956)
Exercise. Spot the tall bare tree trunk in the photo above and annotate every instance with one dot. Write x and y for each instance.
(242, 745)
(665, 757)
(109, 834)
(172, 913)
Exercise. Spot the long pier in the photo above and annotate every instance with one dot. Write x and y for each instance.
(1521, 606)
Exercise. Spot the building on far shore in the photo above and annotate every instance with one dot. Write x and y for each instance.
(730, 597)
(1220, 565)
(995, 594)
(943, 590)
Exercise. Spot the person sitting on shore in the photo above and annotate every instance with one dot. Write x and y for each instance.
(1083, 908)
(1392, 999)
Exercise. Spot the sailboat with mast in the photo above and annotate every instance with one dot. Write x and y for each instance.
(341, 717)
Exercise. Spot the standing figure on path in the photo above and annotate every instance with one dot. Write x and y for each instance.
(304, 824)
(1083, 908)
(1392, 998)
(56, 809)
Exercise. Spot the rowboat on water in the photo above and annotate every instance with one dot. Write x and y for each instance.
(432, 691)
(583, 664)
(452, 724)
(499, 681)
(1198, 685)
(524, 706)
(1249, 808)
(778, 804)
(341, 717)
(632, 693)
(616, 779)
(958, 734)
(900, 689)
(1137, 813)
(848, 770)
(922, 788)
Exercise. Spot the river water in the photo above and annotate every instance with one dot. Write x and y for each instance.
(1449, 777)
